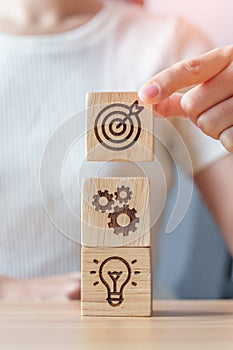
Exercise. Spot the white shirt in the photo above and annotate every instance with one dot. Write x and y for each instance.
(43, 83)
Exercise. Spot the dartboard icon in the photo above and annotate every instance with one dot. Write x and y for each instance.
(118, 126)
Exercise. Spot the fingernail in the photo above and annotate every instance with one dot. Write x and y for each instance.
(149, 91)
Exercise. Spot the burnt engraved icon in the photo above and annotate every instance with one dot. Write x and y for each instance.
(123, 194)
(103, 201)
(118, 126)
(122, 219)
(115, 273)
(122, 226)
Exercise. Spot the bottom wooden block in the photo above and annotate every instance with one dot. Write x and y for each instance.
(116, 282)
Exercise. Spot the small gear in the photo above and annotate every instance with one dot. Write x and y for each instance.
(97, 201)
(123, 194)
(131, 213)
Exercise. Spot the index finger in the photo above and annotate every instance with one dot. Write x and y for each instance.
(186, 73)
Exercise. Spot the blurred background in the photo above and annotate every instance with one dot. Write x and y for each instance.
(193, 261)
(213, 17)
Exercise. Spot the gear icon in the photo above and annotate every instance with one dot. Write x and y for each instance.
(100, 199)
(131, 213)
(123, 194)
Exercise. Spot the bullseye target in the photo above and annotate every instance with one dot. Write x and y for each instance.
(118, 126)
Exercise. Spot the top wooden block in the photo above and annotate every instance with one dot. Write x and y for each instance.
(119, 127)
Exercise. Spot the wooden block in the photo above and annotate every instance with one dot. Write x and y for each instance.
(116, 212)
(116, 282)
(119, 127)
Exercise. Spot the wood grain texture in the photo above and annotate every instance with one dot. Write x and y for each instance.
(116, 212)
(116, 282)
(175, 325)
(119, 127)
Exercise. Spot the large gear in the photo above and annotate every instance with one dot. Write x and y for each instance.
(123, 194)
(131, 213)
(100, 207)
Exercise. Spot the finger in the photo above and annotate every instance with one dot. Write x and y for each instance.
(226, 139)
(201, 98)
(217, 119)
(170, 107)
(75, 294)
(186, 73)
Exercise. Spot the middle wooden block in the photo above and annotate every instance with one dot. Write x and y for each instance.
(116, 212)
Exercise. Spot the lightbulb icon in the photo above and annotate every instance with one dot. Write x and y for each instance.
(115, 273)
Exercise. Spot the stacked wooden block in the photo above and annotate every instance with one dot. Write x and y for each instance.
(116, 256)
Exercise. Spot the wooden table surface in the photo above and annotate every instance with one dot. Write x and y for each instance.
(175, 325)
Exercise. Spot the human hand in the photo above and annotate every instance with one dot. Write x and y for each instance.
(209, 105)
(62, 287)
